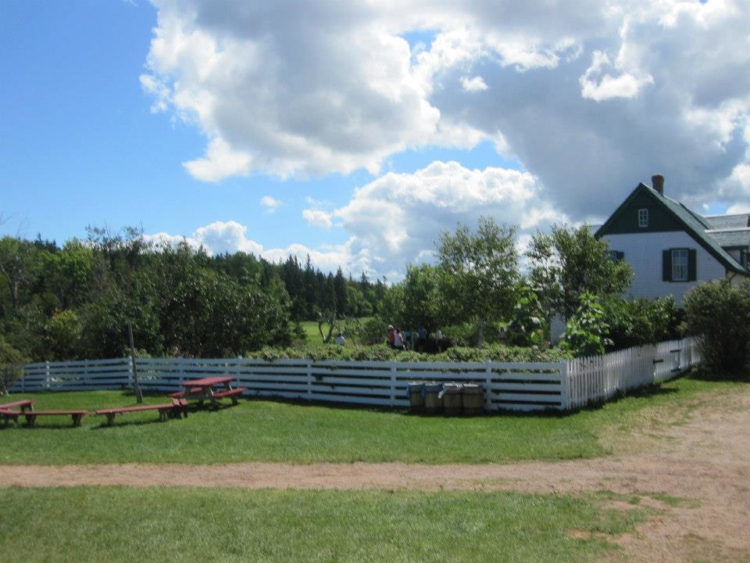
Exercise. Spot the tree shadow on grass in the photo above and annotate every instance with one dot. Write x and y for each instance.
(704, 374)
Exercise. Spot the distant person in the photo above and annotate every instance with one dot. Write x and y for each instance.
(391, 336)
(501, 336)
(439, 340)
(398, 340)
(340, 340)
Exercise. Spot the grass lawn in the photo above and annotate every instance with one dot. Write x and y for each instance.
(258, 430)
(223, 524)
(311, 331)
(121, 524)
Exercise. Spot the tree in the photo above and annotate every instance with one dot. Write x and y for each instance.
(10, 360)
(479, 273)
(636, 322)
(569, 262)
(718, 313)
(586, 331)
(422, 302)
(528, 326)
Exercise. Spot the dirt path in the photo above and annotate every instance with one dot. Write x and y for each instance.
(704, 462)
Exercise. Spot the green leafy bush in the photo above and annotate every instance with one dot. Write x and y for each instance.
(383, 353)
(718, 313)
(642, 321)
(585, 332)
(528, 326)
(10, 360)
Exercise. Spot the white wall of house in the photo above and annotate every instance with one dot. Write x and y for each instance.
(643, 251)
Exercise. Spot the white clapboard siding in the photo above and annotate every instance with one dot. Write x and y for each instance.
(525, 386)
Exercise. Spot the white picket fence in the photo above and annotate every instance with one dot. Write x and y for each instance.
(507, 386)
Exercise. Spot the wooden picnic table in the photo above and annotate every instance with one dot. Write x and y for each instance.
(211, 388)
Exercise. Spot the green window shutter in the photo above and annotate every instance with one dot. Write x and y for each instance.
(666, 265)
(692, 265)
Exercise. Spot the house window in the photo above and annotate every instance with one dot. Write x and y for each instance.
(744, 258)
(643, 218)
(616, 256)
(679, 265)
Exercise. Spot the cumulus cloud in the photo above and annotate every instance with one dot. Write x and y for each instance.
(271, 204)
(591, 97)
(399, 217)
(395, 220)
(318, 218)
(475, 84)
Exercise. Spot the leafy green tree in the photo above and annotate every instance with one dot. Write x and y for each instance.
(586, 330)
(10, 359)
(636, 322)
(422, 300)
(479, 273)
(63, 336)
(569, 262)
(17, 270)
(528, 326)
(718, 313)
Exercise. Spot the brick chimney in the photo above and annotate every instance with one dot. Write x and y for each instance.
(657, 181)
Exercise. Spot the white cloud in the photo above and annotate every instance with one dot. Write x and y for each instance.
(399, 217)
(220, 162)
(591, 97)
(228, 237)
(271, 204)
(318, 218)
(598, 86)
(396, 219)
(475, 84)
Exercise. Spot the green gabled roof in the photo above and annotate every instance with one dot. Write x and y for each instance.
(737, 221)
(736, 238)
(690, 221)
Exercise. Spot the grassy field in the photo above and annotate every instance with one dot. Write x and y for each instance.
(120, 524)
(223, 524)
(258, 430)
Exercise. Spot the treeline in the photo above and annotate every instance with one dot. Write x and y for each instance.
(76, 301)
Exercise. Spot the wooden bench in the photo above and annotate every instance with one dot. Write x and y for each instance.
(24, 404)
(77, 415)
(8, 414)
(180, 407)
(164, 411)
(233, 393)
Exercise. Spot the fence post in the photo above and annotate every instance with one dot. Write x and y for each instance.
(488, 380)
(309, 379)
(46, 376)
(565, 385)
(393, 384)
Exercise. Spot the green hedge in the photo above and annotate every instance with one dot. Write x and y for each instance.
(382, 353)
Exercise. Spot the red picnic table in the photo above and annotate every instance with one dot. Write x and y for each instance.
(211, 388)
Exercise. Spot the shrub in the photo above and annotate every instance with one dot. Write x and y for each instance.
(718, 313)
(585, 332)
(10, 359)
(642, 321)
(383, 353)
(528, 326)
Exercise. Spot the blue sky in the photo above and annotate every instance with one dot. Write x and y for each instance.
(357, 133)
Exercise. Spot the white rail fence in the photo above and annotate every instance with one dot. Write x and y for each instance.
(525, 386)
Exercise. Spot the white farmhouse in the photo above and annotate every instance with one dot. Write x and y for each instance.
(672, 248)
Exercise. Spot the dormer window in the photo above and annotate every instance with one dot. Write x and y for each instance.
(643, 218)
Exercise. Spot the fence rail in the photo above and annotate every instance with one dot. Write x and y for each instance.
(525, 386)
